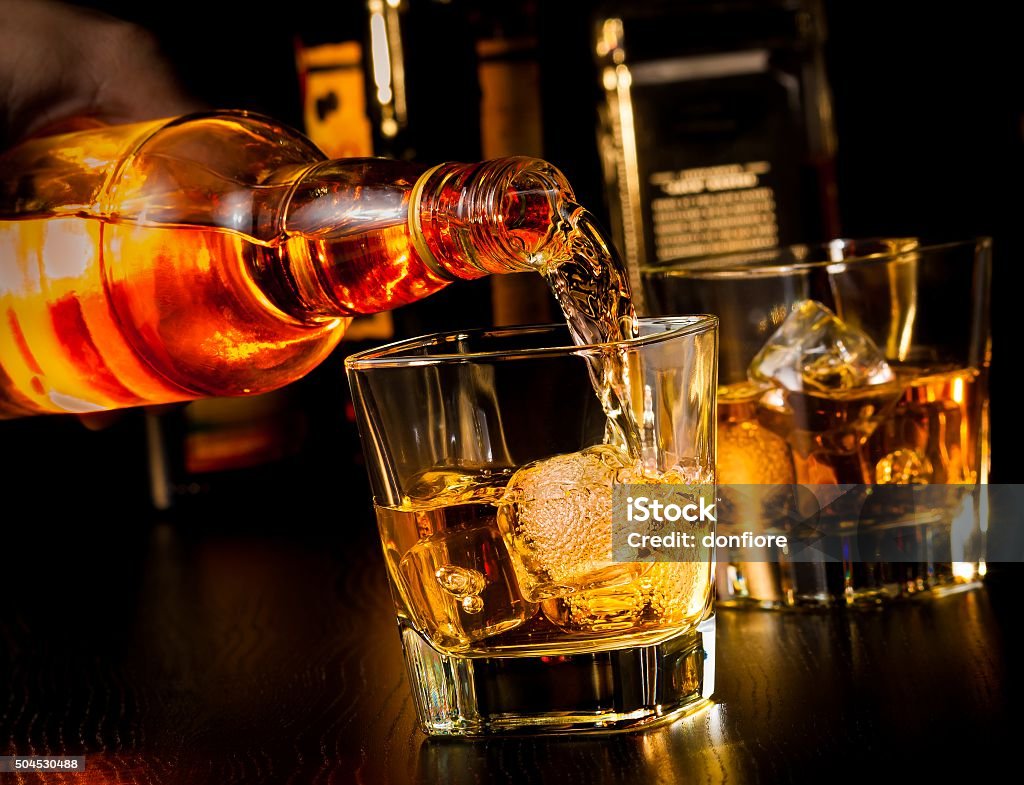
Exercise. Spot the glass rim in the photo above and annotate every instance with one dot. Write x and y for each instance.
(686, 267)
(392, 355)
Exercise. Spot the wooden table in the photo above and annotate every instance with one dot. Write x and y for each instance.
(173, 654)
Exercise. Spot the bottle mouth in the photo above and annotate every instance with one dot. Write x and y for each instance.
(498, 216)
(528, 202)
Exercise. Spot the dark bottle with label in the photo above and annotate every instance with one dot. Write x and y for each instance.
(716, 127)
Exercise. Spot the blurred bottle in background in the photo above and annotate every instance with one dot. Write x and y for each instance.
(511, 123)
(716, 126)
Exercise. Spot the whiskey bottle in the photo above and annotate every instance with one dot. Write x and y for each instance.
(223, 254)
(716, 127)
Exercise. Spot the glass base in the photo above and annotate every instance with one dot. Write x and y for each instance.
(908, 553)
(833, 584)
(618, 689)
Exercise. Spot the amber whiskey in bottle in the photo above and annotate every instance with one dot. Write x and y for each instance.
(223, 254)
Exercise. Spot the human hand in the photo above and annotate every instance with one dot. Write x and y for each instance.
(59, 62)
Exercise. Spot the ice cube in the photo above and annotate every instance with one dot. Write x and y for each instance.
(462, 588)
(612, 609)
(815, 350)
(556, 516)
(671, 595)
(677, 593)
(750, 454)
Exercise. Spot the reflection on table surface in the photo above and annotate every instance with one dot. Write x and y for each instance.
(172, 655)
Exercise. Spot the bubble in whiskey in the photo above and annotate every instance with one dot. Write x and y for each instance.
(903, 466)
(461, 583)
(438, 573)
(472, 603)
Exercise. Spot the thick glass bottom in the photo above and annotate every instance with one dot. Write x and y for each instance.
(870, 545)
(922, 556)
(617, 689)
(772, 586)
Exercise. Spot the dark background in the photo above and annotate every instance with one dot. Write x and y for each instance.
(928, 111)
(175, 653)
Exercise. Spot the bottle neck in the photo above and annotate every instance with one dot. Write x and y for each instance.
(366, 235)
(500, 216)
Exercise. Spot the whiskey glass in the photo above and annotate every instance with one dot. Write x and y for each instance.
(492, 476)
(856, 368)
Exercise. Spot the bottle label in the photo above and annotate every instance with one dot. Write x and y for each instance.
(703, 154)
(712, 209)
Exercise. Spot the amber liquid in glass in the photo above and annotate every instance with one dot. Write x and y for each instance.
(448, 552)
(916, 430)
(449, 559)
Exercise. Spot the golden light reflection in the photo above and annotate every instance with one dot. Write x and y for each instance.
(388, 64)
(610, 40)
(380, 54)
(958, 390)
(965, 571)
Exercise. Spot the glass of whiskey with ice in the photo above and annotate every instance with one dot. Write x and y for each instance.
(492, 457)
(854, 372)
